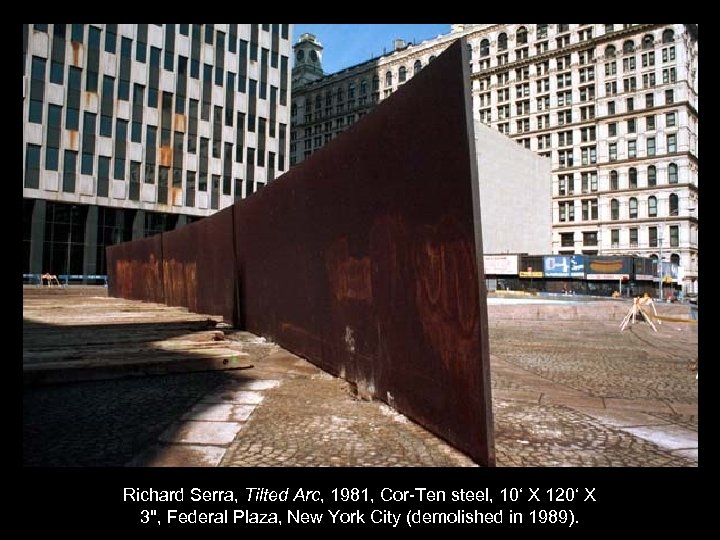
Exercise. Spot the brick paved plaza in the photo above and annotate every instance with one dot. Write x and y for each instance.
(112, 382)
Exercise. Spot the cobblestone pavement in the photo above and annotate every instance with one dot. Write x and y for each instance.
(104, 423)
(574, 393)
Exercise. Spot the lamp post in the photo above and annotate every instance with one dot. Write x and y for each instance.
(660, 264)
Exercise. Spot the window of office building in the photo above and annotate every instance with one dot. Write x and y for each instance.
(652, 236)
(72, 112)
(567, 239)
(589, 181)
(652, 206)
(565, 158)
(567, 211)
(402, 74)
(633, 237)
(69, 171)
(124, 73)
(589, 209)
(54, 137)
(37, 89)
(484, 47)
(88, 143)
(565, 184)
(632, 178)
(502, 41)
(614, 183)
(651, 176)
(110, 38)
(633, 207)
(32, 166)
(57, 60)
(650, 142)
(589, 155)
(590, 238)
(668, 54)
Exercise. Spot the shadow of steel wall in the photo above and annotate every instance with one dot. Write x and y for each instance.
(199, 266)
(363, 259)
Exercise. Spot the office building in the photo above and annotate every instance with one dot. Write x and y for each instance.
(132, 129)
(615, 108)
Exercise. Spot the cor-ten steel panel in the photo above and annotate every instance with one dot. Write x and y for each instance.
(135, 270)
(199, 266)
(366, 258)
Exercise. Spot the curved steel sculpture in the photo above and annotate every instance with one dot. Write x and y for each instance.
(366, 259)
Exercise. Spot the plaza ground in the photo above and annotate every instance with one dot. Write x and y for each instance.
(112, 382)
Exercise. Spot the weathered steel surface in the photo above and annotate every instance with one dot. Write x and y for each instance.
(199, 266)
(135, 270)
(366, 260)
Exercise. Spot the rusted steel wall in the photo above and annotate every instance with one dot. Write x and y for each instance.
(199, 266)
(135, 270)
(366, 258)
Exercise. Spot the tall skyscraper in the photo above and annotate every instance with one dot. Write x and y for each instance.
(132, 129)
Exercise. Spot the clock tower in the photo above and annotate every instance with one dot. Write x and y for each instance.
(308, 60)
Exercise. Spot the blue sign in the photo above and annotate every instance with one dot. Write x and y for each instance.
(564, 265)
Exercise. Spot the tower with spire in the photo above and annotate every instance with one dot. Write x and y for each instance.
(308, 60)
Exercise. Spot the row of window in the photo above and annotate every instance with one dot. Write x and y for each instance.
(589, 207)
(590, 238)
(647, 60)
(342, 93)
(671, 147)
(652, 207)
(562, 99)
(255, 89)
(165, 174)
(565, 116)
(111, 33)
(566, 158)
(587, 74)
(542, 45)
(589, 180)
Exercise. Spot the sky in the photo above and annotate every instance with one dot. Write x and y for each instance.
(346, 45)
